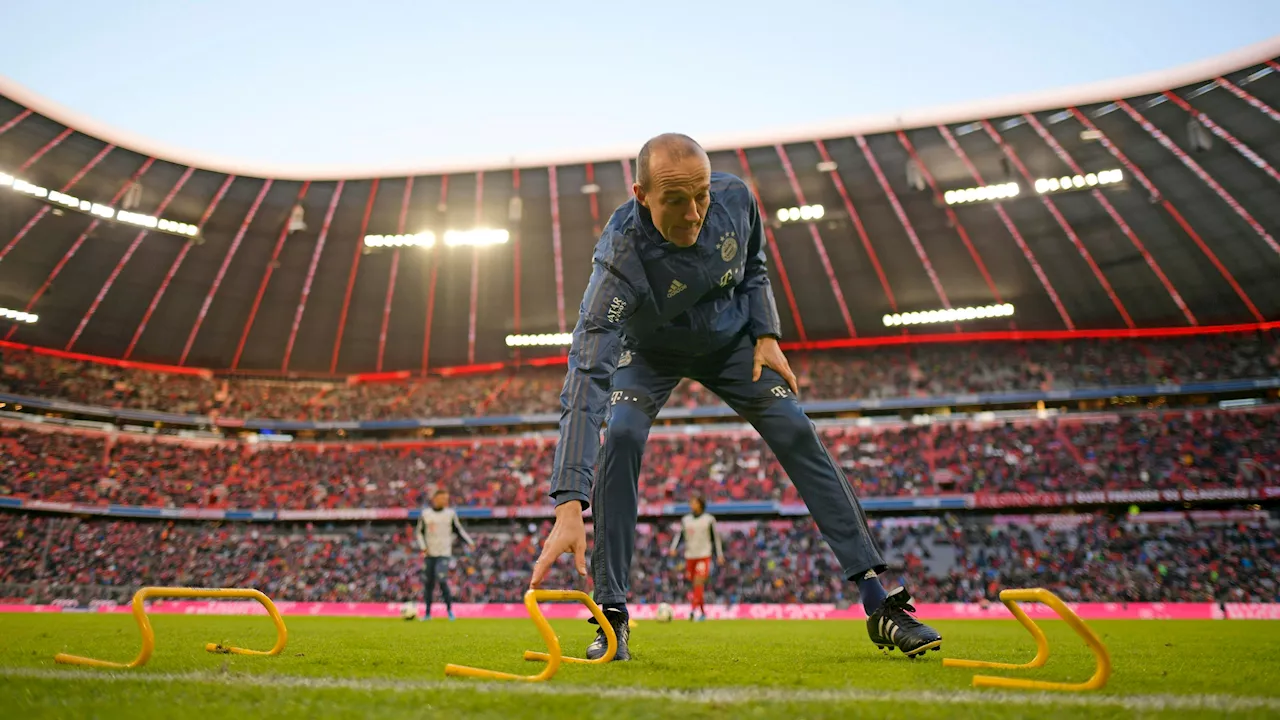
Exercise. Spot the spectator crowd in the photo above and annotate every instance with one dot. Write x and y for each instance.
(1094, 557)
(902, 371)
(946, 559)
(1199, 449)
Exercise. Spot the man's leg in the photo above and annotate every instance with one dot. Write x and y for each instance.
(771, 407)
(699, 585)
(696, 574)
(689, 592)
(639, 392)
(775, 412)
(704, 582)
(428, 584)
(443, 569)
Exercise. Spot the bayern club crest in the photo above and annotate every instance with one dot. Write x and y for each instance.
(728, 246)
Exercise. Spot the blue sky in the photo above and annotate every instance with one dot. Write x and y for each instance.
(399, 82)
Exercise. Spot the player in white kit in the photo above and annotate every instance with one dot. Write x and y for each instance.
(700, 537)
(434, 536)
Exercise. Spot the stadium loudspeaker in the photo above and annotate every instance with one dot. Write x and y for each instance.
(297, 219)
(915, 178)
(149, 636)
(1010, 598)
(553, 657)
(1198, 136)
(132, 196)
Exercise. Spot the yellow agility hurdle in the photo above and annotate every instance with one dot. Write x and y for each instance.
(553, 657)
(149, 636)
(1011, 598)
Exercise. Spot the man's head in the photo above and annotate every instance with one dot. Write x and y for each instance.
(698, 505)
(440, 499)
(673, 180)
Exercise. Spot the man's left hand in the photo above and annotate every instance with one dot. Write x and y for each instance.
(769, 355)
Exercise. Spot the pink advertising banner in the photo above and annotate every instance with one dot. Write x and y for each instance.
(490, 611)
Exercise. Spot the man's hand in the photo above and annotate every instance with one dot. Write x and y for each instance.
(720, 560)
(568, 536)
(769, 355)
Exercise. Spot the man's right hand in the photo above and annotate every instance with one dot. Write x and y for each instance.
(568, 536)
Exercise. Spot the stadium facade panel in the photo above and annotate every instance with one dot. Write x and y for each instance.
(917, 214)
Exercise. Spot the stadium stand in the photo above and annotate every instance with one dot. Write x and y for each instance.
(912, 371)
(261, 309)
(1156, 450)
(1173, 557)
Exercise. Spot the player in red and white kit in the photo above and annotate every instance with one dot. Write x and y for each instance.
(699, 531)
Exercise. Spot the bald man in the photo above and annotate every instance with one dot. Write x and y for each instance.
(679, 288)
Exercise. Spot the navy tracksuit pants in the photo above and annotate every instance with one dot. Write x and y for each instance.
(639, 390)
(433, 569)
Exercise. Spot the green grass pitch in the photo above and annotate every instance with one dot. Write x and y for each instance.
(733, 669)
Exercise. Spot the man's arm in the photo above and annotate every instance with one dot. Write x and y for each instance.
(755, 279)
(715, 540)
(420, 532)
(675, 539)
(457, 527)
(610, 299)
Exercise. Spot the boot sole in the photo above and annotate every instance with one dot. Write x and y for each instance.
(913, 654)
(616, 658)
(934, 646)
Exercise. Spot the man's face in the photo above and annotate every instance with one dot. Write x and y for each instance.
(697, 506)
(678, 195)
(440, 501)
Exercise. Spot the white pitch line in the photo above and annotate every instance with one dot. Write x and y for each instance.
(717, 696)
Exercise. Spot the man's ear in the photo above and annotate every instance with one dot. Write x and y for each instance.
(640, 194)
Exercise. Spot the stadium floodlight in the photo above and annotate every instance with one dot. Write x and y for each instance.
(476, 237)
(1079, 182)
(133, 218)
(422, 239)
(542, 340)
(18, 315)
(178, 228)
(63, 200)
(803, 213)
(27, 188)
(67, 200)
(982, 193)
(948, 315)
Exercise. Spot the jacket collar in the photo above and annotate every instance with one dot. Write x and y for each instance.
(644, 220)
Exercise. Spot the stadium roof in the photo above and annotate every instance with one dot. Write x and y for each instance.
(1051, 99)
(1186, 236)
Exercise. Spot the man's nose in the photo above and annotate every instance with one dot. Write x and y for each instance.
(691, 215)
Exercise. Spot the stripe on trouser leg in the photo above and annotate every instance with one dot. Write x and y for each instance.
(810, 466)
(843, 480)
(619, 463)
(599, 561)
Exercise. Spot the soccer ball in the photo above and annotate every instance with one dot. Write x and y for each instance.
(409, 611)
(665, 613)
